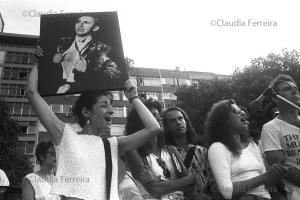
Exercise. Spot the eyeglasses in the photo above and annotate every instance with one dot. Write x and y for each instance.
(235, 109)
(163, 165)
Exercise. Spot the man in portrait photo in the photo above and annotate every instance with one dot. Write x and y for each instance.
(82, 61)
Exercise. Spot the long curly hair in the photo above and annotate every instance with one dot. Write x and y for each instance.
(217, 127)
(190, 131)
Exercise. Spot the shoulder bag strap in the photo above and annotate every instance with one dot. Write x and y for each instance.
(108, 166)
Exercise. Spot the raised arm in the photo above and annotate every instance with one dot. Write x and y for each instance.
(49, 120)
(151, 129)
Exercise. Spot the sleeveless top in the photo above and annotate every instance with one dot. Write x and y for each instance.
(41, 187)
(81, 167)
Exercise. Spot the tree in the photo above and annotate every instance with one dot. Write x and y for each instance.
(197, 99)
(245, 85)
(15, 165)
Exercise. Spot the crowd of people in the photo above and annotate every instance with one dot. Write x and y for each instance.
(159, 158)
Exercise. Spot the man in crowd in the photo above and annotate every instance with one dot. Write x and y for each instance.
(82, 59)
(280, 138)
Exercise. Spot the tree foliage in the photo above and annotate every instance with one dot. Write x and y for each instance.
(12, 161)
(245, 85)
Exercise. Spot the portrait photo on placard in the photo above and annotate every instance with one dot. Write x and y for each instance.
(82, 52)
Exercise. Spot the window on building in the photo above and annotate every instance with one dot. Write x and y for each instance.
(25, 58)
(31, 59)
(23, 75)
(9, 57)
(26, 110)
(32, 128)
(14, 75)
(119, 112)
(4, 91)
(151, 82)
(117, 129)
(170, 81)
(56, 108)
(116, 95)
(2, 56)
(170, 96)
(182, 81)
(67, 108)
(6, 75)
(29, 147)
(23, 129)
(17, 58)
(123, 97)
(18, 110)
(11, 110)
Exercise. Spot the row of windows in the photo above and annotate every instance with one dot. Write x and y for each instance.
(159, 96)
(16, 57)
(159, 81)
(118, 95)
(13, 90)
(12, 73)
(26, 110)
(28, 128)
(27, 147)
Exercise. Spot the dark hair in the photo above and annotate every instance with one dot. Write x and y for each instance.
(152, 103)
(135, 124)
(281, 77)
(41, 150)
(87, 100)
(216, 126)
(190, 132)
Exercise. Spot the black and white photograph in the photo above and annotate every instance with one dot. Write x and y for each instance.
(82, 52)
(149, 100)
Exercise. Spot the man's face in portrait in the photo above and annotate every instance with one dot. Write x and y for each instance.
(85, 25)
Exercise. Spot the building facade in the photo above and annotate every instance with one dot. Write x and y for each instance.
(16, 61)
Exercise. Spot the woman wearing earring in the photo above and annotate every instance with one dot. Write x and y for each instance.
(83, 163)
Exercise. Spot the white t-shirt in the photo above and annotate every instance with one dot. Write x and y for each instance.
(3, 179)
(280, 135)
(81, 167)
(227, 168)
(41, 187)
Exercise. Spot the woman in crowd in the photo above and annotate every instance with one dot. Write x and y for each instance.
(37, 185)
(86, 163)
(166, 177)
(234, 158)
(181, 134)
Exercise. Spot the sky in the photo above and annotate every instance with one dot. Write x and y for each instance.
(209, 36)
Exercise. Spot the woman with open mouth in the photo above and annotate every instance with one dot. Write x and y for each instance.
(234, 158)
(87, 165)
